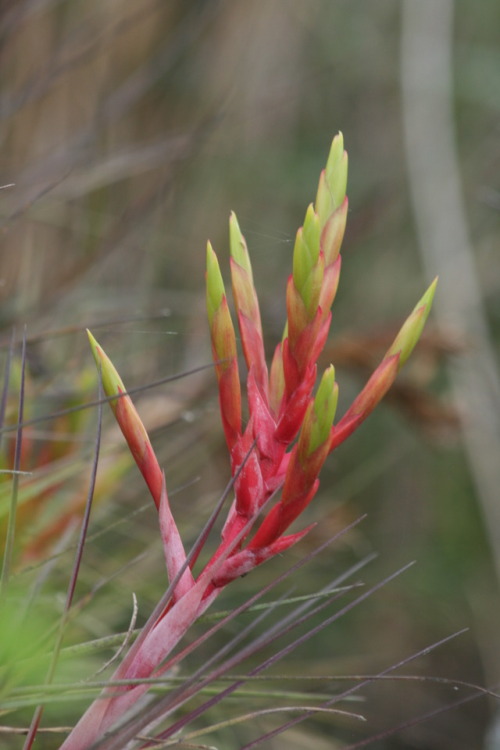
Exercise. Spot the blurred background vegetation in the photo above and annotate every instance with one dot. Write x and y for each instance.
(130, 130)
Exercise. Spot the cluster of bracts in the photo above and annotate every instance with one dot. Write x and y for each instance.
(277, 456)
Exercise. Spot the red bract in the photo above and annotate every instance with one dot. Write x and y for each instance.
(283, 446)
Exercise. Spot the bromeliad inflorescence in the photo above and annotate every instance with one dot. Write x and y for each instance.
(277, 456)
(282, 406)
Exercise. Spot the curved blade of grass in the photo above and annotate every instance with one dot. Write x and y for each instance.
(32, 695)
(257, 714)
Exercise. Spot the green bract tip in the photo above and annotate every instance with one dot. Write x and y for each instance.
(307, 272)
(111, 382)
(411, 329)
(325, 405)
(215, 285)
(237, 244)
(333, 181)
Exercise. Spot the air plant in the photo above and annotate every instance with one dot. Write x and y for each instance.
(276, 457)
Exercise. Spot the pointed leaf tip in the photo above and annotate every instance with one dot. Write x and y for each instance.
(412, 328)
(237, 244)
(333, 181)
(111, 382)
(94, 346)
(336, 149)
(325, 405)
(215, 285)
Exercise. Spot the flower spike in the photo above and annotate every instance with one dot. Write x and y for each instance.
(247, 305)
(140, 446)
(385, 374)
(129, 421)
(412, 328)
(316, 268)
(223, 350)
